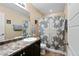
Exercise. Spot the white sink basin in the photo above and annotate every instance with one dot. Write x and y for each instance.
(32, 39)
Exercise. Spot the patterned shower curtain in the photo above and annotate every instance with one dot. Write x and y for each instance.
(52, 32)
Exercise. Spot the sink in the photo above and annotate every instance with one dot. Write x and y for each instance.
(32, 39)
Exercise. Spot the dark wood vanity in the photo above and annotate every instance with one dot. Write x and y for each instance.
(20, 48)
(32, 50)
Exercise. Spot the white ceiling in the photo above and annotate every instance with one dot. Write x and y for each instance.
(46, 7)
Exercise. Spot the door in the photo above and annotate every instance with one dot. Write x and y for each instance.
(2, 26)
(73, 29)
(73, 41)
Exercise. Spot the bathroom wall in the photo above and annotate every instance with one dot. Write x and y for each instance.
(15, 17)
(55, 14)
(73, 29)
(66, 32)
(34, 15)
(66, 10)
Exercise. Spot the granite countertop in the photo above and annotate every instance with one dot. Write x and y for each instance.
(15, 38)
(12, 47)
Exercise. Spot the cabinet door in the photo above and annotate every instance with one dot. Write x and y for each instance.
(2, 23)
(73, 39)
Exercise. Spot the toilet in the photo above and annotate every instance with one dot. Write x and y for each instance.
(43, 47)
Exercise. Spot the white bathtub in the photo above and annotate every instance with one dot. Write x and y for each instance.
(55, 51)
(43, 47)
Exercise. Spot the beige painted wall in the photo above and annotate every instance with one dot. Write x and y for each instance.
(34, 14)
(55, 14)
(66, 10)
(15, 17)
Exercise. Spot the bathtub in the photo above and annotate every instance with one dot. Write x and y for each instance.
(56, 52)
(52, 51)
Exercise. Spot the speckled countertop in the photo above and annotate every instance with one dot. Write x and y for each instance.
(9, 48)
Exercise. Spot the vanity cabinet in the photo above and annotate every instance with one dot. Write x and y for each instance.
(32, 50)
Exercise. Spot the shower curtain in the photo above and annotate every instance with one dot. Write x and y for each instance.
(52, 32)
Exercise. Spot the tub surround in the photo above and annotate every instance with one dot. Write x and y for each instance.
(12, 47)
